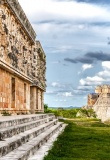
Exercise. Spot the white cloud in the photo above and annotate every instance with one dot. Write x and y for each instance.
(106, 70)
(63, 48)
(61, 100)
(68, 94)
(100, 78)
(51, 9)
(96, 80)
(105, 73)
(106, 65)
(49, 92)
(84, 87)
(65, 17)
(55, 84)
(65, 94)
(86, 66)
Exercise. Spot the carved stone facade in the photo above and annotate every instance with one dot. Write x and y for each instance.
(92, 98)
(22, 61)
(101, 102)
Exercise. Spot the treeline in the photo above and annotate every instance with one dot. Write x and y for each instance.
(70, 113)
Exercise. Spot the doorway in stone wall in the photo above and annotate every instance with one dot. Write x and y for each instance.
(24, 95)
(37, 99)
(12, 92)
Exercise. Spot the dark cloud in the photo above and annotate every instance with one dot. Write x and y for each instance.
(72, 90)
(70, 60)
(46, 21)
(100, 56)
(52, 22)
(68, 23)
(95, 1)
(84, 89)
(63, 0)
(101, 24)
(88, 1)
(90, 58)
(80, 60)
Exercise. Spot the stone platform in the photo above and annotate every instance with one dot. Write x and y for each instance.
(22, 135)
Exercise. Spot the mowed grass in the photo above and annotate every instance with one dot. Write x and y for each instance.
(82, 140)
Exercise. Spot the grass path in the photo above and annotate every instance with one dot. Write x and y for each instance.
(82, 140)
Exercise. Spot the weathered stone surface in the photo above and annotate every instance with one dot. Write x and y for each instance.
(25, 143)
(29, 149)
(19, 13)
(92, 98)
(43, 151)
(13, 139)
(9, 121)
(100, 102)
(17, 140)
(22, 61)
(16, 129)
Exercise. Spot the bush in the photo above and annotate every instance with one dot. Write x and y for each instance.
(70, 113)
(5, 113)
(86, 113)
(46, 108)
(66, 113)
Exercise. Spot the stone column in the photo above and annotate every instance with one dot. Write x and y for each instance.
(39, 99)
(33, 99)
(42, 101)
(36, 98)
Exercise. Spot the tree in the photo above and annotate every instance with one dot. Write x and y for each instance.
(45, 108)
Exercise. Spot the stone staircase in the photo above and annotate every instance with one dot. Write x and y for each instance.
(21, 136)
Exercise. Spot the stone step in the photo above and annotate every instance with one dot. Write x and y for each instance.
(14, 142)
(44, 149)
(8, 121)
(28, 149)
(14, 130)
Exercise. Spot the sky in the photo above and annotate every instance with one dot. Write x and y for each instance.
(75, 36)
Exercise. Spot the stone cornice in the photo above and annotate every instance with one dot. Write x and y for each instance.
(39, 46)
(37, 84)
(19, 13)
(14, 71)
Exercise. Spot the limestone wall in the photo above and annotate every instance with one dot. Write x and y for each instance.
(14, 92)
(41, 66)
(98, 89)
(102, 105)
(92, 98)
(16, 48)
(19, 13)
(37, 99)
(17, 51)
(22, 60)
(5, 89)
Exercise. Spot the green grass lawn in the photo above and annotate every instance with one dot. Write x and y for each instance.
(82, 140)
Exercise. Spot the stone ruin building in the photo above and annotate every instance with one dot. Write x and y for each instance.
(91, 99)
(22, 62)
(100, 102)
